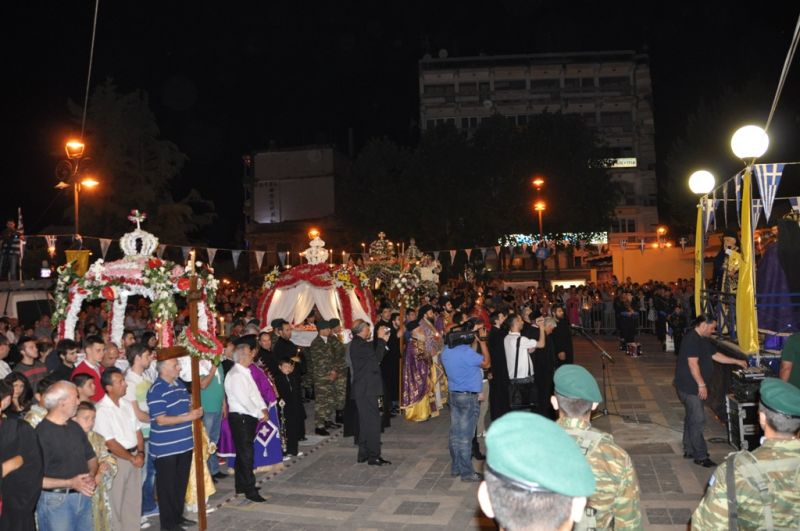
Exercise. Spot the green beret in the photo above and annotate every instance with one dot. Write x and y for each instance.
(781, 397)
(536, 454)
(573, 381)
(322, 324)
(334, 322)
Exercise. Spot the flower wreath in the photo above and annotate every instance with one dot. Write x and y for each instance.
(202, 345)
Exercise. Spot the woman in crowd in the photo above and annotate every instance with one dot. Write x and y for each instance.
(22, 395)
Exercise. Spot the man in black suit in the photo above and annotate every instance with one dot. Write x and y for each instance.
(365, 357)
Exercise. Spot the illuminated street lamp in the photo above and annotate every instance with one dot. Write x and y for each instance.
(701, 182)
(313, 234)
(69, 174)
(538, 183)
(540, 206)
(749, 142)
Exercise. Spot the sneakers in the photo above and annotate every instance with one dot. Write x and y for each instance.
(472, 478)
(148, 514)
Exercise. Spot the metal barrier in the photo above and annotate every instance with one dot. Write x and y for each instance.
(600, 318)
(721, 306)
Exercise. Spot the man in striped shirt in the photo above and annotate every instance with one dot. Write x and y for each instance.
(171, 442)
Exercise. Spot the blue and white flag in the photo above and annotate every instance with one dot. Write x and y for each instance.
(768, 177)
(737, 186)
(795, 202)
(756, 212)
(623, 244)
(725, 202)
(708, 213)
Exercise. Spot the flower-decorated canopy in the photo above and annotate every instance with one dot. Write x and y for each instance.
(340, 292)
(138, 273)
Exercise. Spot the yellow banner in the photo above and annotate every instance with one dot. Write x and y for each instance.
(80, 259)
(746, 321)
(699, 277)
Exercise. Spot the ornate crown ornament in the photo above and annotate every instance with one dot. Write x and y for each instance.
(381, 250)
(129, 243)
(316, 253)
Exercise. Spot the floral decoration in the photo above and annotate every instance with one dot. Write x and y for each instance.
(202, 345)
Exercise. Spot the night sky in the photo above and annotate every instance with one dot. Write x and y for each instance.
(225, 78)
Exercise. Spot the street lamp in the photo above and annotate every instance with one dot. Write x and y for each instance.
(68, 173)
(749, 142)
(313, 234)
(701, 182)
(540, 206)
(538, 183)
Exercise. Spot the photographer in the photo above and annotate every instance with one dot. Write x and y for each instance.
(518, 349)
(463, 366)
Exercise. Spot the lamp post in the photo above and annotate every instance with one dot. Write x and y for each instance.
(540, 206)
(68, 172)
(701, 182)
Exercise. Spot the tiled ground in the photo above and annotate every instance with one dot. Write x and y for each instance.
(326, 489)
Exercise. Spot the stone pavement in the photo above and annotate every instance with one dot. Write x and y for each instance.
(326, 489)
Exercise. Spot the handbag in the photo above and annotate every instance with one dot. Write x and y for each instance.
(522, 390)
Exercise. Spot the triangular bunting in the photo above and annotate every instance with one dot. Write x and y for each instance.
(642, 245)
(737, 188)
(282, 258)
(623, 244)
(469, 252)
(757, 206)
(795, 202)
(185, 251)
(211, 254)
(160, 250)
(235, 255)
(435, 255)
(497, 250)
(715, 203)
(768, 177)
(483, 252)
(104, 244)
(725, 202)
(708, 213)
(452, 256)
(259, 258)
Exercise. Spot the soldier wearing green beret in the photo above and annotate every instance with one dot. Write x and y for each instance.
(535, 475)
(324, 375)
(340, 365)
(759, 489)
(616, 502)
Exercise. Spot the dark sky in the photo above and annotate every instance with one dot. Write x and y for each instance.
(225, 78)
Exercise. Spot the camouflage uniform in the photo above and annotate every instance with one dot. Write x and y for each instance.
(775, 467)
(340, 365)
(616, 499)
(322, 358)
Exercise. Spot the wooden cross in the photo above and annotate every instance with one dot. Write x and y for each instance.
(193, 298)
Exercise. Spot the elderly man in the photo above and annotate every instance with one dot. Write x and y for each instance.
(245, 408)
(69, 464)
(117, 423)
(171, 441)
(366, 357)
(536, 476)
(615, 503)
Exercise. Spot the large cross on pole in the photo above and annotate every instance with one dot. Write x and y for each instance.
(197, 424)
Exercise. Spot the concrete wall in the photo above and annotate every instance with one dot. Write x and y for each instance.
(666, 265)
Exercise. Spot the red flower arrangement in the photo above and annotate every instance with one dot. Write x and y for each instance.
(203, 345)
(108, 293)
(154, 263)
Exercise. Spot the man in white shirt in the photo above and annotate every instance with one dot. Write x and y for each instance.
(117, 423)
(245, 408)
(518, 349)
(5, 370)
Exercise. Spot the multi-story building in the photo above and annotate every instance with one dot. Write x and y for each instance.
(610, 90)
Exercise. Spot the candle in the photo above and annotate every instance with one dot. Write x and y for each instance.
(331, 255)
(222, 326)
(191, 261)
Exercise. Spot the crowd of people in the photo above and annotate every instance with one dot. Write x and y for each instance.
(99, 436)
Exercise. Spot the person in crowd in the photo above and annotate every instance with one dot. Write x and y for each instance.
(227, 355)
(110, 355)
(116, 422)
(69, 464)
(616, 501)
(212, 400)
(138, 384)
(518, 350)
(21, 397)
(37, 410)
(67, 355)
(265, 354)
(94, 347)
(245, 408)
(762, 483)
(22, 469)
(290, 404)
(283, 347)
(9, 251)
(695, 367)
(790, 360)
(464, 366)
(498, 383)
(390, 365)
(536, 477)
(106, 467)
(171, 442)
(30, 366)
(562, 338)
(677, 325)
(85, 385)
(5, 349)
(365, 357)
(544, 363)
(340, 365)
(322, 362)
(46, 352)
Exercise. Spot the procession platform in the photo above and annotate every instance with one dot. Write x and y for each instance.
(326, 489)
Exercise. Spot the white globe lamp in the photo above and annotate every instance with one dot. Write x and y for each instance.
(701, 182)
(749, 142)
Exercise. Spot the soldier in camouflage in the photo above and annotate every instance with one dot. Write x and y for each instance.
(324, 376)
(615, 503)
(759, 489)
(340, 365)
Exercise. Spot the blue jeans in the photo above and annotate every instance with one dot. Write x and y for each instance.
(148, 481)
(64, 511)
(464, 410)
(693, 423)
(212, 420)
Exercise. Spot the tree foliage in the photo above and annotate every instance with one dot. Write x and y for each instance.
(454, 190)
(136, 169)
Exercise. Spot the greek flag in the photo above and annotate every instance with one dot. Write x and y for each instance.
(737, 188)
(795, 202)
(768, 177)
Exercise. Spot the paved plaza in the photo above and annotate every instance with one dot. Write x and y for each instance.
(326, 489)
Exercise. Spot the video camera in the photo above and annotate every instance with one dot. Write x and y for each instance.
(463, 334)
